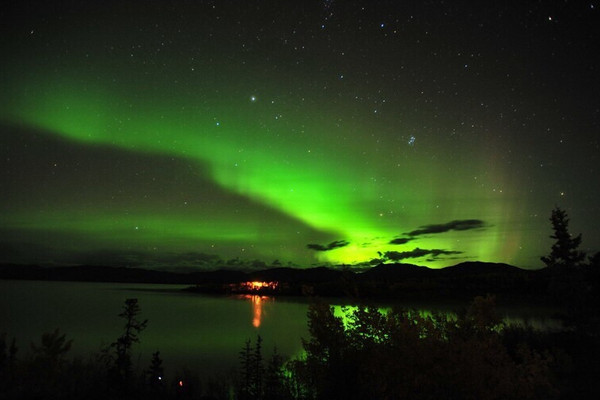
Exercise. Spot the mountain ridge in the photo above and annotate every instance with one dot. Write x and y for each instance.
(99, 273)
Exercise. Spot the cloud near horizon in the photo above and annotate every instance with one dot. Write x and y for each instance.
(400, 241)
(331, 246)
(417, 253)
(456, 225)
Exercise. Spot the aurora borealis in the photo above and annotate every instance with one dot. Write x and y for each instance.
(211, 133)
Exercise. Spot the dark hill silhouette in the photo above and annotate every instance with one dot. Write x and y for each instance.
(394, 272)
(398, 272)
(379, 273)
(218, 276)
(91, 273)
(385, 280)
(283, 274)
(481, 268)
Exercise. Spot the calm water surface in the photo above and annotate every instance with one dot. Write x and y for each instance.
(204, 333)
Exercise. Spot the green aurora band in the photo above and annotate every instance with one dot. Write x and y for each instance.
(311, 163)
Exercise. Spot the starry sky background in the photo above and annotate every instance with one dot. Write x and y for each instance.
(252, 133)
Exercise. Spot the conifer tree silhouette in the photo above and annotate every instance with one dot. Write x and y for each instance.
(564, 253)
(132, 328)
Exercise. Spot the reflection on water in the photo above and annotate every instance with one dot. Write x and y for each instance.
(532, 319)
(257, 306)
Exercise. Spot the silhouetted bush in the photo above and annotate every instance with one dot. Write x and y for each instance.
(405, 355)
(257, 381)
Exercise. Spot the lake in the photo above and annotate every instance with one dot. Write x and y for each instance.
(204, 333)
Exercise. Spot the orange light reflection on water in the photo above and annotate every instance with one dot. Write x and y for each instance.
(257, 304)
(257, 307)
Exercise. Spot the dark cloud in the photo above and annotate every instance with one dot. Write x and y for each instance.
(417, 253)
(331, 246)
(461, 258)
(400, 240)
(456, 225)
(149, 260)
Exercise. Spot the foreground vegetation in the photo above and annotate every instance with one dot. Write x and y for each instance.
(400, 354)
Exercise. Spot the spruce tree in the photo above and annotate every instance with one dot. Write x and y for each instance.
(246, 361)
(565, 253)
(258, 370)
(252, 371)
(156, 370)
(132, 328)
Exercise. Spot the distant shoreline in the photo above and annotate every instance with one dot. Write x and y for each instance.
(385, 282)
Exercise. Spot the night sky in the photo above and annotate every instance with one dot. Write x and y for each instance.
(211, 133)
